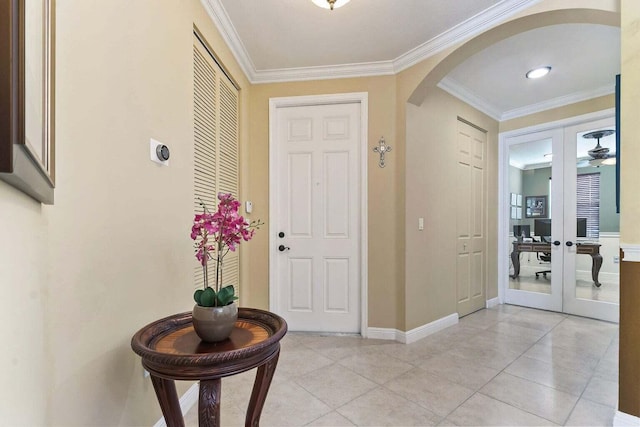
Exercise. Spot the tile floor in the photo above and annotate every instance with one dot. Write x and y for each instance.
(502, 366)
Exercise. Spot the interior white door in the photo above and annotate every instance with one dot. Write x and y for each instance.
(582, 294)
(318, 219)
(470, 224)
(537, 184)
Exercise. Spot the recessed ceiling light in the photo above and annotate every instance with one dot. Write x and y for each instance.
(536, 73)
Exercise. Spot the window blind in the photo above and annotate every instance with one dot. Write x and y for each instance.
(215, 148)
(588, 202)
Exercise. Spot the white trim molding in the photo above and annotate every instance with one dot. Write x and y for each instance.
(625, 420)
(187, 401)
(414, 334)
(463, 93)
(463, 31)
(631, 253)
(493, 302)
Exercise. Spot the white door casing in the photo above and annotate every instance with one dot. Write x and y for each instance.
(317, 199)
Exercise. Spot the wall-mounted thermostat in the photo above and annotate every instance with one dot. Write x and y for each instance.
(158, 152)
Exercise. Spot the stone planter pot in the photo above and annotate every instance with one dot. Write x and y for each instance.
(213, 324)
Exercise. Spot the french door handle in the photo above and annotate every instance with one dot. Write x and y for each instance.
(569, 243)
(556, 242)
(283, 248)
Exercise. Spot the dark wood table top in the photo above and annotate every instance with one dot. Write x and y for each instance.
(171, 349)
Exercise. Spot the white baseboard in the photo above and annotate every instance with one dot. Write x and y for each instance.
(188, 399)
(383, 334)
(414, 334)
(625, 420)
(493, 302)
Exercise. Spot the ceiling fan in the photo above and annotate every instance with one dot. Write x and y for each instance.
(598, 155)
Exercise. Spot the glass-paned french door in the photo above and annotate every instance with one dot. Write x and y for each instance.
(563, 231)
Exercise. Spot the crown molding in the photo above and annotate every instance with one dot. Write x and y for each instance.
(472, 26)
(467, 29)
(228, 32)
(560, 101)
(461, 92)
(455, 88)
(369, 69)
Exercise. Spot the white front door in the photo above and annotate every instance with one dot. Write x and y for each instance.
(316, 217)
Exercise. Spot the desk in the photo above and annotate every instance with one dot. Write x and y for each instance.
(592, 249)
(171, 350)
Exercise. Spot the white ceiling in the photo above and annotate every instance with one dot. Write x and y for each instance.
(286, 40)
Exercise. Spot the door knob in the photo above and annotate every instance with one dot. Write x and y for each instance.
(569, 243)
(283, 248)
(281, 234)
(556, 242)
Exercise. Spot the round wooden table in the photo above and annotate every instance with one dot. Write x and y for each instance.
(171, 350)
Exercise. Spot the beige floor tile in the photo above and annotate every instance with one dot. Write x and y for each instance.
(540, 400)
(295, 363)
(481, 410)
(379, 370)
(435, 393)
(573, 382)
(381, 407)
(587, 413)
(458, 370)
(488, 357)
(335, 385)
(506, 308)
(602, 391)
(562, 357)
(331, 380)
(495, 341)
(332, 419)
(288, 404)
(415, 351)
(607, 369)
(513, 330)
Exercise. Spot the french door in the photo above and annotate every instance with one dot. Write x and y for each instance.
(563, 233)
(535, 220)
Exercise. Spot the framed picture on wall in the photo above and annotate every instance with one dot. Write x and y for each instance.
(27, 96)
(535, 207)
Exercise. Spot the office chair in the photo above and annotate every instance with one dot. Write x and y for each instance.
(544, 257)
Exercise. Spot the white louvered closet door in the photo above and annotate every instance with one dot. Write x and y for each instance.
(215, 147)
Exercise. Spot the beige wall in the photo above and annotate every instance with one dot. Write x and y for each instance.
(565, 112)
(119, 249)
(630, 127)
(24, 357)
(431, 172)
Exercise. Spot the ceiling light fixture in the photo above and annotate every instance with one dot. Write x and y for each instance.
(536, 73)
(330, 4)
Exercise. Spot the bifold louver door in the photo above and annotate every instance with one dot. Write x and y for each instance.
(215, 146)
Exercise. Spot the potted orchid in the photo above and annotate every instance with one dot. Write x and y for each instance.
(215, 234)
